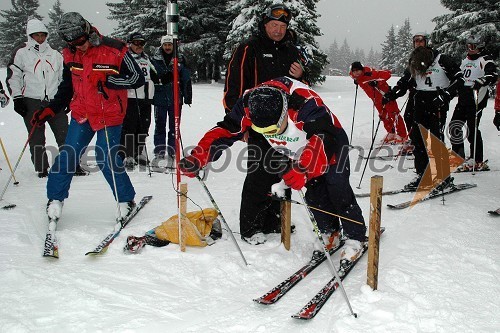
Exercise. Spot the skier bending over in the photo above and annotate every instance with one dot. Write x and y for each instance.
(313, 151)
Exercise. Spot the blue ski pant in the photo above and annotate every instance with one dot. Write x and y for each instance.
(77, 140)
(164, 146)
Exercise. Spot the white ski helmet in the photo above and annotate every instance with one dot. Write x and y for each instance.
(423, 35)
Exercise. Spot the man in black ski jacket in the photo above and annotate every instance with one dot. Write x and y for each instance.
(269, 54)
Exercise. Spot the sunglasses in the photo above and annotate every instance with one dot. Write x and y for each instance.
(419, 40)
(139, 43)
(79, 41)
(278, 13)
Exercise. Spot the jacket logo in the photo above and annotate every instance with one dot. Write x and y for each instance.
(267, 55)
(99, 66)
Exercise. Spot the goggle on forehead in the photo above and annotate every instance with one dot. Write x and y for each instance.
(278, 13)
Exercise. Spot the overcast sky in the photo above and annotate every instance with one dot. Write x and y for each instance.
(364, 23)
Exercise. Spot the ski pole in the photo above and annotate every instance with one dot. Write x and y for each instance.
(274, 197)
(369, 154)
(353, 115)
(18, 160)
(221, 216)
(8, 162)
(476, 99)
(332, 267)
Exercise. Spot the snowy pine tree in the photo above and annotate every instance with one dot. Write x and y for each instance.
(245, 15)
(202, 29)
(304, 24)
(346, 58)
(359, 55)
(479, 18)
(204, 32)
(13, 26)
(373, 58)
(333, 55)
(144, 16)
(389, 51)
(55, 14)
(403, 48)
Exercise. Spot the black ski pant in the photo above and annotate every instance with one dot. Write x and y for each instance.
(465, 114)
(135, 127)
(332, 192)
(409, 110)
(433, 118)
(59, 126)
(258, 212)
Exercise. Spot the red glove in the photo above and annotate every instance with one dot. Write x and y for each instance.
(295, 177)
(41, 116)
(97, 76)
(189, 166)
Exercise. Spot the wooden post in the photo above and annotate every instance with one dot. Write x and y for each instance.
(182, 215)
(286, 223)
(374, 233)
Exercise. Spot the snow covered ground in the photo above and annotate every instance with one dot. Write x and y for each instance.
(438, 269)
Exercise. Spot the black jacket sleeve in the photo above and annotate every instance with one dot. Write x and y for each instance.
(240, 69)
(453, 72)
(64, 92)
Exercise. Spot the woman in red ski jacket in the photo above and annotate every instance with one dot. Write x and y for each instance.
(374, 83)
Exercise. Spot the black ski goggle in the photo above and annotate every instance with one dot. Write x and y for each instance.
(79, 41)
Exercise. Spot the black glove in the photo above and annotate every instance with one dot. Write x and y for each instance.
(355, 82)
(388, 96)
(496, 120)
(373, 83)
(4, 99)
(443, 98)
(20, 106)
(189, 166)
(479, 83)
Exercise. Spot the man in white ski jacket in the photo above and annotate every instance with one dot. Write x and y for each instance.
(33, 75)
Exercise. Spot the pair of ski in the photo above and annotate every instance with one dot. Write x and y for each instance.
(495, 212)
(434, 194)
(51, 245)
(312, 308)
(431, 195)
